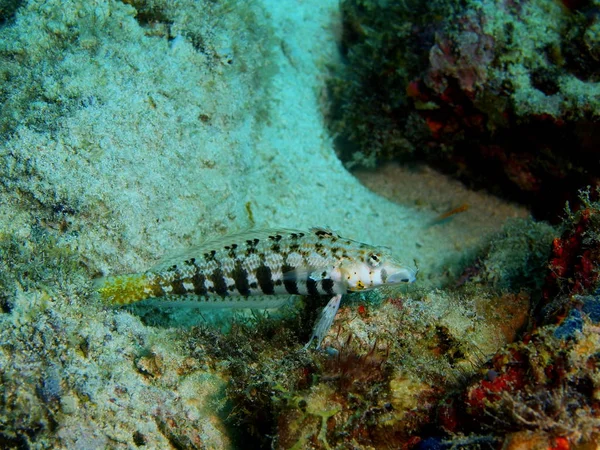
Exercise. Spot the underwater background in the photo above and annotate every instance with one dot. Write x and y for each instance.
(453, 133)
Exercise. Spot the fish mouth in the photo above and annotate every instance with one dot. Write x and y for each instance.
(402, 276)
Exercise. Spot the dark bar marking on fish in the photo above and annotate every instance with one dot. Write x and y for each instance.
(311, 287)
(240, 277)
(327, 286)
(199, 281)
(322, 233)
(263, 276)
(251, 246)
(320, 250)
(252, 243)
(218, 279)
(291, 286)
(178, 288)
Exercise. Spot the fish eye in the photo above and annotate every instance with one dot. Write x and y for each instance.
(374, 260)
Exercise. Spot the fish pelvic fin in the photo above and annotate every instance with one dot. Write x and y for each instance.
(324, 321)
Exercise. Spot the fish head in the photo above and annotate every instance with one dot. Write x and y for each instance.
(376, 268)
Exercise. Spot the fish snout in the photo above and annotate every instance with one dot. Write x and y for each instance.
(402, 275)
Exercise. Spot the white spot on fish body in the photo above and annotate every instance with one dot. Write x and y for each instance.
(273, 260)
(295, 259)
(251, 263)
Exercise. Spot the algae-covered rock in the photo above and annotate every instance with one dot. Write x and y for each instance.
(502, 95)
(517, 256)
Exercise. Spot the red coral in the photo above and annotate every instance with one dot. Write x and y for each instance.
(508, 374)
(560, 443)
(573, 264)
(489, 391)
(448, 415)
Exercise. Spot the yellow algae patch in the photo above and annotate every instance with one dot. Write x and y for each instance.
(124, 289)
(405, 393)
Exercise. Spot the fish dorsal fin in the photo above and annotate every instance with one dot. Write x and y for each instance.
(219, 242)
(325, 231)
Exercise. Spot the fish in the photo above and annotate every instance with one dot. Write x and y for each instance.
(442, 218)
(233, 269)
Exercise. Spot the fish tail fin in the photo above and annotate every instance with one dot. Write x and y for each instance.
(124, 289)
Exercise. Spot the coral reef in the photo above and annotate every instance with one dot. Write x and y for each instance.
(545, 384)
(574, 266)
(541, 390)
(503, 95)
(130, 128)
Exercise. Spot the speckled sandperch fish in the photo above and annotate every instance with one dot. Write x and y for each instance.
(280, 262)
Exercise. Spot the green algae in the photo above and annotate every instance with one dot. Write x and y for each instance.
(517, 257)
